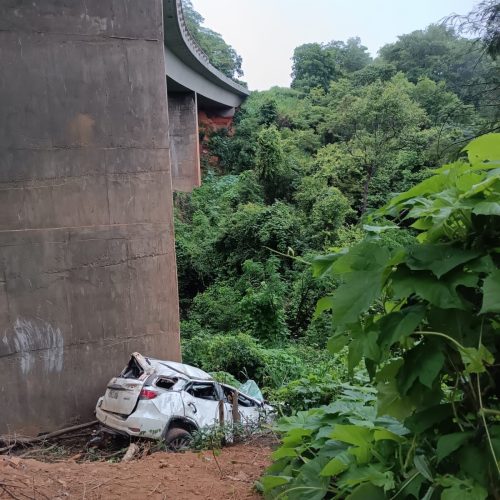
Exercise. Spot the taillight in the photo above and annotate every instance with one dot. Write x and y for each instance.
(147, 394)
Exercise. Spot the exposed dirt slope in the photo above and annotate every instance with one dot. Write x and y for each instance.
(161, 475)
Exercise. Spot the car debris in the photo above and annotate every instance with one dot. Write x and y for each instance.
(168, 400)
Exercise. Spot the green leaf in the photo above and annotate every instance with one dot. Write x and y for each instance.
(270, 482)
(322, 264)
(474, 462)
(441, 293)
(475, 359)
(365, 256)
(413, 486)
(367, 491)
(398, 325)
(284, 452)
(362, 453)
(422, 465)
(356, 295)
(484, 148)
(352, 434)
(370, 474)
(423, 362)
(355, 354)
(491, 293)
(336, 343)
(465, 489)
(425, 419)
(323, 304)
(381, 434)
(439, 258)
(389, 400)
(491, 207)
(337, 465)
(449, 443)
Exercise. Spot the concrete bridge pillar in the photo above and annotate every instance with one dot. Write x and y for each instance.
(184, 141)
(87, 263)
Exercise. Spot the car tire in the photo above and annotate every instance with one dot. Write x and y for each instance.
(178, 439)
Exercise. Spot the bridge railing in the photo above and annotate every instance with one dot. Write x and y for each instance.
(199, 53)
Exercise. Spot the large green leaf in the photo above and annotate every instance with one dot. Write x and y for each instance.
(476, 359)
(491, 293)
(424, 363)
(283, 452)
(365, 256)
(367, 491)
(371, 474)
(425, 419)
(397, 325)
(270, 482)
(356, 295)
(464, 489)
(422, 465)
(484, 148)
(450, 442)
(441, 293)
(352, 434)
(337, 465)
(390, 402)
(439, 258)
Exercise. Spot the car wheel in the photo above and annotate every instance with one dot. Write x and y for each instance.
(178, 439)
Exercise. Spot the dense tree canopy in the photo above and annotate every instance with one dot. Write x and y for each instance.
(316, 65)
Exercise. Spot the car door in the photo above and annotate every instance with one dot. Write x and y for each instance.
(201, 402)
(123, 391)
(246, 412)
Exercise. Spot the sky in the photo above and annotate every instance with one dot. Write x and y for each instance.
(265, 32)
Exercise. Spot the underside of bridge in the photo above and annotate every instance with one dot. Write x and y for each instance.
(195, 88)
(87, 162)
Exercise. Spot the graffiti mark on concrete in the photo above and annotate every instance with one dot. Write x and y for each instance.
(38, 339)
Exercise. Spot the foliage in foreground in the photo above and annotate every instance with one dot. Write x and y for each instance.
(426, 321)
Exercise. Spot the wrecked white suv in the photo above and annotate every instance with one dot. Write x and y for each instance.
(168, 400)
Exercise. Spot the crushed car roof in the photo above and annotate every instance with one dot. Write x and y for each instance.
(174, 369)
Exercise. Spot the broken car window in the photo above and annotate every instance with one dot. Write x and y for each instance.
(132, 370)
(246, 402)
(166, 383)
(203, 391)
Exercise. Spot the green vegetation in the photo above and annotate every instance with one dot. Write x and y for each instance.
(424, 318)
(369, 318)
(221, 55)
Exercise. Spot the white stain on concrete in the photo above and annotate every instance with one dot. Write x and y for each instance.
(38, 339)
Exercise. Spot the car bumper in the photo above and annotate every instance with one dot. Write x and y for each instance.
(146, 421)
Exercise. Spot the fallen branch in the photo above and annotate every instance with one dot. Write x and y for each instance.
(131, 452)
(44, 437)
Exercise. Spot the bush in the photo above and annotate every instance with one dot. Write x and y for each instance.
(237, 354)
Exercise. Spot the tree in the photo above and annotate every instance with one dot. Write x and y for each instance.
(316, 65)
(220, 54)
(482, 22)
(313, 66)
(372, 128)
(270, 163)
(440, 54)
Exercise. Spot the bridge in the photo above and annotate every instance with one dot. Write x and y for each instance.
(193, 85)
(100, 103)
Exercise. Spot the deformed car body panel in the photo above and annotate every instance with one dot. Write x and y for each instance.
(151, 395)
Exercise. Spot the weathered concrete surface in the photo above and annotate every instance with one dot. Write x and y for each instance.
(184, 148)
(87, 263)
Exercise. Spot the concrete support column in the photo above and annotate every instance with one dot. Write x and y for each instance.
(87, 262)
(184, 141)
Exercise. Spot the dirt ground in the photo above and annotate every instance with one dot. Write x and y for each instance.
(161, 475)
